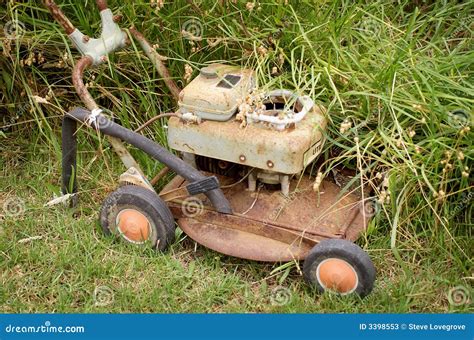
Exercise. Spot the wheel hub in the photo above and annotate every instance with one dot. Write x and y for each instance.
(133, 225)
(337, 275)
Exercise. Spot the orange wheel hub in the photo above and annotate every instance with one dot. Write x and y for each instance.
(133, 225)
(338, 275)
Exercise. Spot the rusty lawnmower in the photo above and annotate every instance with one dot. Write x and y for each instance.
(241, 187)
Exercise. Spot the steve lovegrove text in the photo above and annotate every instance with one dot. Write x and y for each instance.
(412, 327)
(436, 327)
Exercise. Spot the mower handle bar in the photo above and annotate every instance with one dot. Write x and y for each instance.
(95, 51)
(62, 19)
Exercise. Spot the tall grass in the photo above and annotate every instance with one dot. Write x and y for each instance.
(391, 74)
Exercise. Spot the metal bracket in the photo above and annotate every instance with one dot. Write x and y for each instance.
(111, 39)
(133, 176)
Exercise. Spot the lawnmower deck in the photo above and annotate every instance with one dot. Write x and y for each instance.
(267, 226)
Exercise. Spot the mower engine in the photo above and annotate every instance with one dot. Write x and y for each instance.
(224, 130)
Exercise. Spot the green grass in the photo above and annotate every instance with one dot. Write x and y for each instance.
(395, 71)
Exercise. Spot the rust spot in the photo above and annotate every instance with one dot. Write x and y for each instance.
(223, 164)
(102, 4)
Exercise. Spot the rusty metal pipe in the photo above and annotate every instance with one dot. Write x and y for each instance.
(101, 4)
(157, 60)
(77, 74)
(154, 119)
(59, 16)
(163, 172)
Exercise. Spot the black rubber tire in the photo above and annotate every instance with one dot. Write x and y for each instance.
(344, 250)
(149, 204)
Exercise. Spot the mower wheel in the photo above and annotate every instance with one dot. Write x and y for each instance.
(340, 266)
(138, 215)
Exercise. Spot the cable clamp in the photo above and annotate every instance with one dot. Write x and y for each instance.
(92, 118)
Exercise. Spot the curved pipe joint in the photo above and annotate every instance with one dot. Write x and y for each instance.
(111, 37)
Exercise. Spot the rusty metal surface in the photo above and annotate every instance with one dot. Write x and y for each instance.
(101, 4)
(62, 19)
(245, 244)
(162, 173)
(267, 226)
(77, 74)
(59, 16)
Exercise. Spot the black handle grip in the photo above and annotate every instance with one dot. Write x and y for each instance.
(202, 186)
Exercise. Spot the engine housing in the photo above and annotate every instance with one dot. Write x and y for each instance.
(275, 152)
